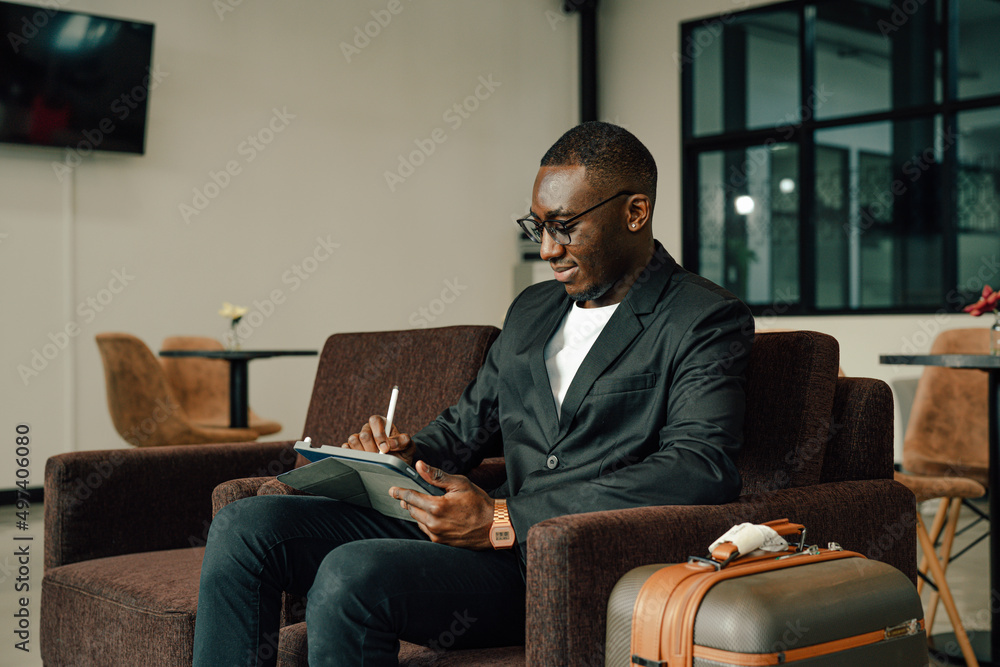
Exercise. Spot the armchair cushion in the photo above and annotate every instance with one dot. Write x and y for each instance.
(112, 606)
(293, 652)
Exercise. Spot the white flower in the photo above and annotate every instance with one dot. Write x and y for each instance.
(232, 312)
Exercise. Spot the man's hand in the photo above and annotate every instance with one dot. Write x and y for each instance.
(462, 517)
(372, 438)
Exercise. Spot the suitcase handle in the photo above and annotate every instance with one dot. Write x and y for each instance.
(784, 527)
(727, 552)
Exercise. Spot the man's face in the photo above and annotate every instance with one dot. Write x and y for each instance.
(596, 257)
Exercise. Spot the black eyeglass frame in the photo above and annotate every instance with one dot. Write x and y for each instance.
(553, 227)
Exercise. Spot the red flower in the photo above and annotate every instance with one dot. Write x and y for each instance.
(987, 302)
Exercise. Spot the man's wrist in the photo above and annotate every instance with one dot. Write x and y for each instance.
(502, 530)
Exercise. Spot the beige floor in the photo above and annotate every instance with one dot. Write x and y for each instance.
(968, 578)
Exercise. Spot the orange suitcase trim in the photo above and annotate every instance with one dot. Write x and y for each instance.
(792, 655)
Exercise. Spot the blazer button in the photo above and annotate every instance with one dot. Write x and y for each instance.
(552, 462)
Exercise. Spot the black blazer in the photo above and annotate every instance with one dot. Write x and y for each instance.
(654, 416)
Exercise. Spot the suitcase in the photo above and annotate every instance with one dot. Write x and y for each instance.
(805, 606)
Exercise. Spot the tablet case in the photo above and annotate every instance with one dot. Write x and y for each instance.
(362, 483)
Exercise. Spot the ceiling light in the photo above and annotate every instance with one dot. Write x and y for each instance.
(744, 204)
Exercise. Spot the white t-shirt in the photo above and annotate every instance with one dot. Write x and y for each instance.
(569, 345)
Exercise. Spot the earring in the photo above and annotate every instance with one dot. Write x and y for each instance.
(633, 225)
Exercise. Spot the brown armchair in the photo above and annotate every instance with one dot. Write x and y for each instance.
(818, 451)
(125, 529)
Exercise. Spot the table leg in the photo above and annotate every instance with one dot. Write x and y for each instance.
(994, 490)
(239, 402)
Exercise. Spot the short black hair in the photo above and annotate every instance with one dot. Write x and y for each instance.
(613, 157)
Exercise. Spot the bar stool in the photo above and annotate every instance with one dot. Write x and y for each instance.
(951, 491)
(946, 436)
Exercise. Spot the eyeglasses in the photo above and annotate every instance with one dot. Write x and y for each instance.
(558, 230)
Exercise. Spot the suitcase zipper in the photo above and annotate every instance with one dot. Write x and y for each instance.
(809, 551)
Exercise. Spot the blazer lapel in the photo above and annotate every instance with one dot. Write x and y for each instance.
(618, 334)
(539, 375)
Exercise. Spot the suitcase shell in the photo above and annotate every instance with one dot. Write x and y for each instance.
(816, 611)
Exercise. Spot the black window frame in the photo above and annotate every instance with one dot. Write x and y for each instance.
(803, 133)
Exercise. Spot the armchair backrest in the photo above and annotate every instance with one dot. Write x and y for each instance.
(357, 371)
(791, 381)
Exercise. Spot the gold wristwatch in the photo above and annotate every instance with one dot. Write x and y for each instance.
(502, 532)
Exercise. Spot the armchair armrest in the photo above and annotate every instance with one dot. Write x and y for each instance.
(275, 487)
(574, 561)
(236, 489)
(860, 433)
(111, 502)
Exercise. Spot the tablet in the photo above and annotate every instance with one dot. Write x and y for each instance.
(358, 477)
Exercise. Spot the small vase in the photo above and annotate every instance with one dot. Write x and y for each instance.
(995, 334)
(232, 340)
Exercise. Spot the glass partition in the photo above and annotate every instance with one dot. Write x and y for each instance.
(843, 156)
(746, 71)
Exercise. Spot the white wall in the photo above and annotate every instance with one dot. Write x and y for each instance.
(322, 177)
(639, 46)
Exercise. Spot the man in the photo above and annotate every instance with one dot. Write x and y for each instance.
(619, 384)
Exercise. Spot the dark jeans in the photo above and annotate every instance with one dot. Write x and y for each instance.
(369, 579)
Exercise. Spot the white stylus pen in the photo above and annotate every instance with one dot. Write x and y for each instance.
(391, 412)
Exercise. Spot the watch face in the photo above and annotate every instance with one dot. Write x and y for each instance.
(502, 536)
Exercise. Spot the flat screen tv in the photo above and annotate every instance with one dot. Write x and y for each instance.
(73, 80)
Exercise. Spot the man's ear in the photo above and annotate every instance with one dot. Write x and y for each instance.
(640, 210)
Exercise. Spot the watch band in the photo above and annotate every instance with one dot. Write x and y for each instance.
(502, 531)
